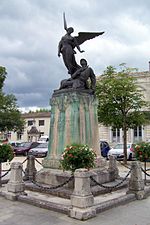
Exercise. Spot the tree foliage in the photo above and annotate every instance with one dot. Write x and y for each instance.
(40, 110)
(10, 116)
(43, 110)
(120, 100)
(3, 74)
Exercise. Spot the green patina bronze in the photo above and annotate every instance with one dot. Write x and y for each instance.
(66, 106)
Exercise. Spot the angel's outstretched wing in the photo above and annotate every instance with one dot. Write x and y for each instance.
(84, 36)
(65, 22)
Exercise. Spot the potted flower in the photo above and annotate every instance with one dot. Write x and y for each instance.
(6, 154)
(77, 156)
(142, 151)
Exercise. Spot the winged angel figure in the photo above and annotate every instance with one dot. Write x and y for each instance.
(68, 43)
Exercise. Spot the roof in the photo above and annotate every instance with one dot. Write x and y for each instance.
(36, 115)
(33, 130)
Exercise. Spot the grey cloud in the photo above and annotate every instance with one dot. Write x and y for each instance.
(31, 31)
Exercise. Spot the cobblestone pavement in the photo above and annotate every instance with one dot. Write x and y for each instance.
(17, 213)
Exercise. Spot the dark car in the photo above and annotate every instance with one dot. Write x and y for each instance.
(39, 151)
(104, 148)
(15, 144)
(24, 147)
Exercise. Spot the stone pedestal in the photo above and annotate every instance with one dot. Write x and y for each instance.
(73, 121)
(82, 199)
(113, 169)
(136, 182)
(15, 185)
(30, 170)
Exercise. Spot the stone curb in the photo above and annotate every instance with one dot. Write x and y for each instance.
(100, 207)
(147, 191)
(45, 204)
(114, 202)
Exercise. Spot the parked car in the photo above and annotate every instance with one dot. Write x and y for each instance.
(43, 139)
(24, 147)
(104, 148)
(40, 151)
(118, 151)
(15, 143)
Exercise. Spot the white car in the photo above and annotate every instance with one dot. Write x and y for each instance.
(118, 151)
(39, 151)
(43, 139)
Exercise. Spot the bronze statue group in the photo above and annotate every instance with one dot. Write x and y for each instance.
(80, 74)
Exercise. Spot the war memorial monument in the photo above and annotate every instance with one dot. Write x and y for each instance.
(73, 111)
(74, 120)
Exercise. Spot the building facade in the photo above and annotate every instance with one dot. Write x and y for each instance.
(36, 125)
(141, 133)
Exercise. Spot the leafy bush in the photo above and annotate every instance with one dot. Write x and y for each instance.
(6, 153)
(77, 156)
(142, 151)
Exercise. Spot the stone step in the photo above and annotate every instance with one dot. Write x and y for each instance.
(54, 203)
(65, 192)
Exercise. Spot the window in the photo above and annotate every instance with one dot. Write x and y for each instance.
(115, 135)
(30, 122)
(41, 122)
(8, 135)
(138, 133)
(19, 135)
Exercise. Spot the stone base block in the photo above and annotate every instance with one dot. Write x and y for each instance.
(82, 201)
(82, 214)
(136, 185)
(56, 176)
(100, 162)
(15, 188)
(13, 196)
(51, 163)
(138, 194)
(53, 177)
(102, 175)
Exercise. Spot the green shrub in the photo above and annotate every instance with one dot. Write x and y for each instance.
(142, 151)
(6, 153)
(77, 156)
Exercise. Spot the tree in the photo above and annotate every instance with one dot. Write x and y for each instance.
(43, 110)
(10, 116)
(3, 74)
(120, 101)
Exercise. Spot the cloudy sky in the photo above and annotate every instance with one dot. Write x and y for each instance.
(31, 30)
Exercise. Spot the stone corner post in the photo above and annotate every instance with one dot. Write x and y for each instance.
(82, 199)
(15, 186)
(30, 171)
(113, 169)
(136, 182)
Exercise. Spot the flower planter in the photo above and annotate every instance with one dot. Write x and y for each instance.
(77, 156)
(6, 154)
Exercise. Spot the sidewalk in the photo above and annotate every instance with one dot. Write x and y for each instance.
(18, 213)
